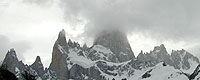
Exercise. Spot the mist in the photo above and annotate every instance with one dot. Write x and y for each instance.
(169, 19)
(20, 46)
(164, 19)
(174, 23)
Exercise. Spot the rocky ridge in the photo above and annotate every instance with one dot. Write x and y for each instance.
(109, 57)
(17, 67)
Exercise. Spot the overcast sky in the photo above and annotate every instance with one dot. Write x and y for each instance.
(32, 26)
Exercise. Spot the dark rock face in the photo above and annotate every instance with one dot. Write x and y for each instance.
(118, 43)
(7, 75)
(38, 66)
(147, 74)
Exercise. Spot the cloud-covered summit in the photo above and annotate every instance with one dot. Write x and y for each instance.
(174, 19)
(174, 23)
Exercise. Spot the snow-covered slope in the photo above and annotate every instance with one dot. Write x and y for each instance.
(160, 72)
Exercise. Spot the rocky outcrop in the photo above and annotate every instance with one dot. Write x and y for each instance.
(183, 59)
(180, 59)
(159, 54)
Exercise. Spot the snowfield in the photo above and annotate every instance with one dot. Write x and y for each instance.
(159, 72)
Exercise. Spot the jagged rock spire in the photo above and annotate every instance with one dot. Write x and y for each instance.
(70, 43)
(12, 53)
(159, 54)
(38, 59)
(141, 56)
(11, 61)
(160, 49)
(59, 55)
(117, 42)
(62, 33)
(162, 55)
(38, 66)
(61, 38)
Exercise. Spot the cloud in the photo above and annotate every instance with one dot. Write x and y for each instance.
(175, 19)
(174, 22)
(172, 19)
(163, 21)
(39, 2)
(20, 46)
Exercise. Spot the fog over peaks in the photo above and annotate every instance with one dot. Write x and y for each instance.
(173, 19)
(147, 23)
(170, 18)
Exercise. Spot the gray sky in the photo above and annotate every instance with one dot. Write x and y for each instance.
(32, 26)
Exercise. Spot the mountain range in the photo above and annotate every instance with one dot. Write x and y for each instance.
(109, 58)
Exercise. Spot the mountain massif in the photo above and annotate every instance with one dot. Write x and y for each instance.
(110, 57)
